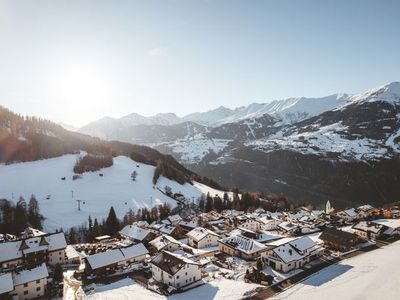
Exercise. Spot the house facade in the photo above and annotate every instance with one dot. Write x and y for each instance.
(175, 271)
(241, 246)
(202, 238)
(48, 248)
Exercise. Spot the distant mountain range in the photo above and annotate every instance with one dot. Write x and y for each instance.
(341, 147)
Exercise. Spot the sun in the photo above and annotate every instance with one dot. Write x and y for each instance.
(82, 85)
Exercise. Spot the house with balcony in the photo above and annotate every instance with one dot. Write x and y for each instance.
(174, 270)
(202, 238)
(292, 254)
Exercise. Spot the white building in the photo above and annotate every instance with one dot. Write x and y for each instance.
(175, 271)
(292, 253)
(368, 230)
(251, 224)
(202, 238)
(269, 223)
(26, 284)
(49, 248)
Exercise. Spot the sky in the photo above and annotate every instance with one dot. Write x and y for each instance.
(77, 61)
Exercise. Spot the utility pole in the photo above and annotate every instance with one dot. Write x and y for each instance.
(79, 204)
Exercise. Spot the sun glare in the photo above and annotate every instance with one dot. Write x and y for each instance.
(82, 85)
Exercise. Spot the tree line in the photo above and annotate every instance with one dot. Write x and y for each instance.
(244, 202)
(15, 218)
(87, 232)
(91, 163)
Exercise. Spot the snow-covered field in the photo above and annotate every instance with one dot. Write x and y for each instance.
(193, 150)
(374, 275)
(115, 188)
(325, 139)
(129, 289)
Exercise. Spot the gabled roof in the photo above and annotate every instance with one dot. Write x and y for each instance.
(351, 212)
(368, 227)
(29, 275)
(243, 244)
(135, 232)
(114, 256)
(294, 249)
(288, 226)
(338, 237)
(303, 243)
(365, 207)
(12, 250)
(162, 241)
(200, 233)
(171, 263)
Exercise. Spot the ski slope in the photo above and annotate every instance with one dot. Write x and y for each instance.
(57, 198)
(371, 276)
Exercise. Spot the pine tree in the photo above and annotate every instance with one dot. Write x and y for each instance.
(34, 216)
(58, 273)
(209, 203)
(20, 215)
(112, 223)
(8, 217)
(96, 228)
(72, 236)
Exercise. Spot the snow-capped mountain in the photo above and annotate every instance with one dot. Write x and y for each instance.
(288, 111)
(289, 146)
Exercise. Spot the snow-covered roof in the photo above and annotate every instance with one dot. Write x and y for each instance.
(29, 275)
(167, 229)
(267, 220)
(71, 252)
(368, 226)
(11, 250)
(200, 233)
(287, 253)
(189, 224)
(114, 256)
(6, 283)
(293, 249)
(303, 243)
(174, 218)
(162, 241)
(134, 232)
(391, 223)
(171, 263)
(365, 207)
(351, 212)
(243, 244)
(288, 226)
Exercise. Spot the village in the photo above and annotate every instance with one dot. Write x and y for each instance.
(270, 249)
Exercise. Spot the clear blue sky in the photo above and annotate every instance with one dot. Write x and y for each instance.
(76, 61)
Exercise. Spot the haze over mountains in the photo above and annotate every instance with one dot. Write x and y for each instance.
(287, 146)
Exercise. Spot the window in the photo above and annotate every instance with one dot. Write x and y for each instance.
(38, 288)
(186, 273)
(177, 277)
(194, 278)
(25, 284)
(38, 281)
(25, 292)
